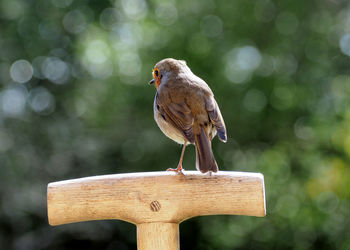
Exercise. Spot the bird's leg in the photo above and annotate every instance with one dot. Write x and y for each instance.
(179, 166)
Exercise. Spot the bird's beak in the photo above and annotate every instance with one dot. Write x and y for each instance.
(152, 81)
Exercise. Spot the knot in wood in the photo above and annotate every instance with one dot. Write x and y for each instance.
(155, 206)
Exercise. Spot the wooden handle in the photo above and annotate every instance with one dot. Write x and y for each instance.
(155, 197)
(158, 235)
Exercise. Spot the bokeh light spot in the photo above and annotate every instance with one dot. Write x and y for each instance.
(129, 66)
(130, 35)
(13, 101)
(100, 71)
(109, 18)
(21, 71)
(49, 31)
(267, 65)
(97, 59)
(97, 52)
(56, 70)
(37, 67)
(135, 9)
(166, 14)
(241, 62)
(41, 101)
(321, 21)
(12, 9)
(248, 58)
(344, 44)
(302, 131)
(75, 21)
(211, 26)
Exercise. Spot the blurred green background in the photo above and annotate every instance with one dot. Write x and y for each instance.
(74, 102)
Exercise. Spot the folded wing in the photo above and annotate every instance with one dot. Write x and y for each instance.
(216, 118)
(179, 115)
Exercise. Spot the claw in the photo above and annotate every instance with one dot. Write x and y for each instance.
(178, 170)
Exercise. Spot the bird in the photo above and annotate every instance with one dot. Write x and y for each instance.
(185, 111)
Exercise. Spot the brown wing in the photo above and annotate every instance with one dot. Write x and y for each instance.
(178, 115)
(216, 118)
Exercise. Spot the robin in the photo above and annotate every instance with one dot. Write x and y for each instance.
(186, 111)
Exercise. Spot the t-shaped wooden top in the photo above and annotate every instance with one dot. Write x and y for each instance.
(155, 201)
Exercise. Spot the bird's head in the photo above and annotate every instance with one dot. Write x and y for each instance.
(166, 67)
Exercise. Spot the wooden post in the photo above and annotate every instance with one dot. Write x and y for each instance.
(156, 202)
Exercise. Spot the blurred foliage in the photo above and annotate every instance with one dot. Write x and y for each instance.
(74, 102)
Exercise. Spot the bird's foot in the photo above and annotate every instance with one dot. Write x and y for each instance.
(178, 170)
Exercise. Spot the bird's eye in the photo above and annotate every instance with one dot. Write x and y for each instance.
(156, 72)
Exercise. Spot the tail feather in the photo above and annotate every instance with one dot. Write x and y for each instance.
(205, 160)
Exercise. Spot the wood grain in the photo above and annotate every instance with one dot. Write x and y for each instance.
(154, 197)
(158, 235)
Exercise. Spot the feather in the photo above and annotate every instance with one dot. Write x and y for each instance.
(205, 160)
(179, 115)
(216, 118)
